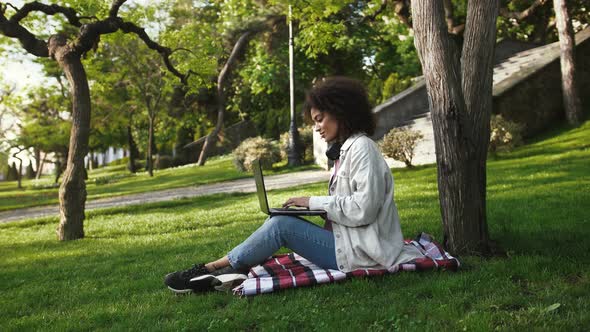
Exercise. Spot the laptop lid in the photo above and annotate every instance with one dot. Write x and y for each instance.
(263, 200)
(260, 189)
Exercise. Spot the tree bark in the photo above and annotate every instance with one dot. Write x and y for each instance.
(571, 99)
(72, 192)
(460, 98)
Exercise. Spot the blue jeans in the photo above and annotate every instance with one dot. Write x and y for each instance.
(303, 237)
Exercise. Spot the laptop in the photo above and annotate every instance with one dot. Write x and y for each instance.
(262, 199)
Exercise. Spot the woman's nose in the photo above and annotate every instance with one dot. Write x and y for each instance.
(316, 127)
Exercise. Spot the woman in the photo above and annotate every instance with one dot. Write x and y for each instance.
(362, 227)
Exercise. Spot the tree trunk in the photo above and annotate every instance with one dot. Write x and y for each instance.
(150, 161)
(212, 137)
(460, 98)
(37, 154)
(90, 157)
(133, 153)
(40, 167)
(571, 99)
(19, 174)
(72, 192)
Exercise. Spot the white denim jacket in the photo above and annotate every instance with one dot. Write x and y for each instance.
(364, 217)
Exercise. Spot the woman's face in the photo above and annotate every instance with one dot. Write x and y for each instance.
(325, 124)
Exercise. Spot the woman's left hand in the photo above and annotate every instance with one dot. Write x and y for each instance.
(297, 201)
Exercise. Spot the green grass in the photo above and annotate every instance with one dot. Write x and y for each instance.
(112, 279)
(112, 181)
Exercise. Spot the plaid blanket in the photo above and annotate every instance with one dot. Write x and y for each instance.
(291, 270)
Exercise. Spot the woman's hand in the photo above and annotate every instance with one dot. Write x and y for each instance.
(297, 201)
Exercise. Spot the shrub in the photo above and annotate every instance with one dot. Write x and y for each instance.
(399, 144)
(256, 148)
(306, 136)
(505, 135)
(122, 161)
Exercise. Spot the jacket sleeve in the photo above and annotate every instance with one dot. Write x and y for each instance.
(368, 191)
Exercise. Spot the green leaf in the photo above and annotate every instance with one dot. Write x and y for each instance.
(552, 307)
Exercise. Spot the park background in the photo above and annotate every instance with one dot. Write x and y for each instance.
(111, 279)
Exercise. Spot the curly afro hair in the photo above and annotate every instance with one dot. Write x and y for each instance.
(345, 99)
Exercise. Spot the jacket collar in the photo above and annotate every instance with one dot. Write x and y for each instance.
(350, 140)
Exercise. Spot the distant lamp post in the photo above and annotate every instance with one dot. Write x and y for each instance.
(294, 154)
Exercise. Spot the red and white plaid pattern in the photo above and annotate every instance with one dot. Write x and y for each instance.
(291, 270)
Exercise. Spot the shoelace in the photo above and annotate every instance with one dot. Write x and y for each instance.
(194, 271)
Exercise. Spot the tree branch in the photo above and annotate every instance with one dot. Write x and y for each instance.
(505, 12)
(29, 41)
(115, 8)
(448, 4)
(402, 9)
(238, 46)
(36, 6)
(88, 36)
(182, 49)
(165, 52)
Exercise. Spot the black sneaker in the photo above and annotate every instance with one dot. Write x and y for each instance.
(180, 282)
(223, 279)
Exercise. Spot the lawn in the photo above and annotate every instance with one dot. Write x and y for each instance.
(112, 280)
(112, 181)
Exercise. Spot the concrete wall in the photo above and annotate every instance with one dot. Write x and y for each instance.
(401, 109)
(535, 98)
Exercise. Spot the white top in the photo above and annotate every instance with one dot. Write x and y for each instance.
(365, 224)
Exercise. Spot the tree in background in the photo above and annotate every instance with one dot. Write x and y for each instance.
(254, 19)
(571, 99)
(68, 54)
(45, 126)
(19, 172)
(6, 124)
(5, 110)
(459, 85)
(111, 101)
(147, 85)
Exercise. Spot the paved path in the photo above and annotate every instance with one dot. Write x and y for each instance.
(242, 185)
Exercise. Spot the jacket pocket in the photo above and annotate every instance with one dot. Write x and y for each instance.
(343, 186)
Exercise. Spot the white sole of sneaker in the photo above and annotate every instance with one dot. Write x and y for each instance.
(180, 291)
(230, 281)
(203, 283)
(222, 282)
